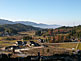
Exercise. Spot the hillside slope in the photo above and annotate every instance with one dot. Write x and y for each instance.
(14, 28)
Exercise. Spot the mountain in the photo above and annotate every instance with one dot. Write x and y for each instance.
(40, 25)
(3, 21)
(17, 27)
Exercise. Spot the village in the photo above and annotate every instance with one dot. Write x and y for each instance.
(21, 50)
(41, 50)
(40, 45)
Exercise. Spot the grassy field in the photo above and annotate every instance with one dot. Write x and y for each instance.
(68, 45)
(5, 43)
(79, 46)
(31, 33)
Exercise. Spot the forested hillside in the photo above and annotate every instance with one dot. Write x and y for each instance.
(15, 28)
(62, 34)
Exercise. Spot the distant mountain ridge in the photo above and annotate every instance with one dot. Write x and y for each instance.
(40, 25)
(3, 21)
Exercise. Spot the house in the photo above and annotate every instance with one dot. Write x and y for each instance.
(41, 40)
(34, 43)
(21, 43)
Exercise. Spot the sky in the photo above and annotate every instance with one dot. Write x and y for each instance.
(61, 12)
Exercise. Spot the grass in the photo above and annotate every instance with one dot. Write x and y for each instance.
(68, 45)
(79, 46)
(11, 42)
(31, 33)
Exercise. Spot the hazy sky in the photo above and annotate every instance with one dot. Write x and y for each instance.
(62, 12)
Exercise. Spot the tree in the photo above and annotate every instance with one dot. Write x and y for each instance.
(27, 38)
(51, 32)
(38, 33)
